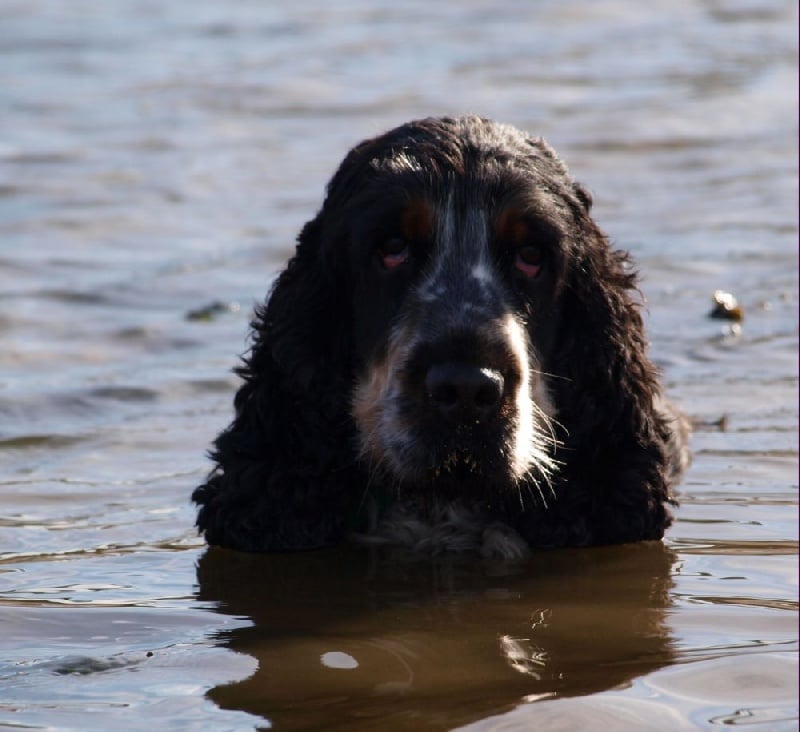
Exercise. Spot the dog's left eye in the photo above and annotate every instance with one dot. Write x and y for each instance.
(529, 260)
(393, 252)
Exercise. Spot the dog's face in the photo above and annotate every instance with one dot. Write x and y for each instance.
(457, 236)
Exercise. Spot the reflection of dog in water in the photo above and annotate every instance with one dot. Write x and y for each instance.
(345, 640)
(456, 346)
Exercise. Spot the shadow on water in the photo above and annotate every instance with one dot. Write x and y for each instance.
(347, 639)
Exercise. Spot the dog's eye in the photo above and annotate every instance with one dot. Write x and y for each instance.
(529, 260)
(393, 252)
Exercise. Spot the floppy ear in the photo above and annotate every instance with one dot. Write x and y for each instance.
(302, 325)
(618, 436)
(280, 480)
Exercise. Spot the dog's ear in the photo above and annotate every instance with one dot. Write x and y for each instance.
(301, 327)
(282, 480)
(617, 436)
(604, 348)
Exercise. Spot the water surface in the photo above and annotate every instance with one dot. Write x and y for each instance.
(156, 158)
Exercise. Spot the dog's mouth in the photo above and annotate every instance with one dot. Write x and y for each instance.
(458, 461)
(468, 457)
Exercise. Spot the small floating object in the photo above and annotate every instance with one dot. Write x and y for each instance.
(725, 307)
(212, 310)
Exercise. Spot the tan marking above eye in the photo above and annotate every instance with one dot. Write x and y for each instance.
(417, 221)
(511, 228)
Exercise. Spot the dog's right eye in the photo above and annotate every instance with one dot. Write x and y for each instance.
(393, 252)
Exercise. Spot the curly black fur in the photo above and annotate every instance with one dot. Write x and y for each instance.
(292, 470)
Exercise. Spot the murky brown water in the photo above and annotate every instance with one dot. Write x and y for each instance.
(157, 157)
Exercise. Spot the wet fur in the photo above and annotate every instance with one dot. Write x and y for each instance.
(331, 437)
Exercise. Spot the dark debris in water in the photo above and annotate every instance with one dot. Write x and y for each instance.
(711, 425)
(212, 311)
(84, 665)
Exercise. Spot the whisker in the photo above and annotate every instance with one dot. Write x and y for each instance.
(549, 375)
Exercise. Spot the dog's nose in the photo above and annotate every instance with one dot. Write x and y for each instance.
(463, 392)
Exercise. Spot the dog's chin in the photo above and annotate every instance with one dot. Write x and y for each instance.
(455, 466)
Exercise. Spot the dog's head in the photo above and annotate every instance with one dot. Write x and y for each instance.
(452, 238)
(454, 322)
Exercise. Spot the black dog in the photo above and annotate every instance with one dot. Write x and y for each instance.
(453, 359)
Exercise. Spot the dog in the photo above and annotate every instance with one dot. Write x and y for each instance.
(454, 359)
